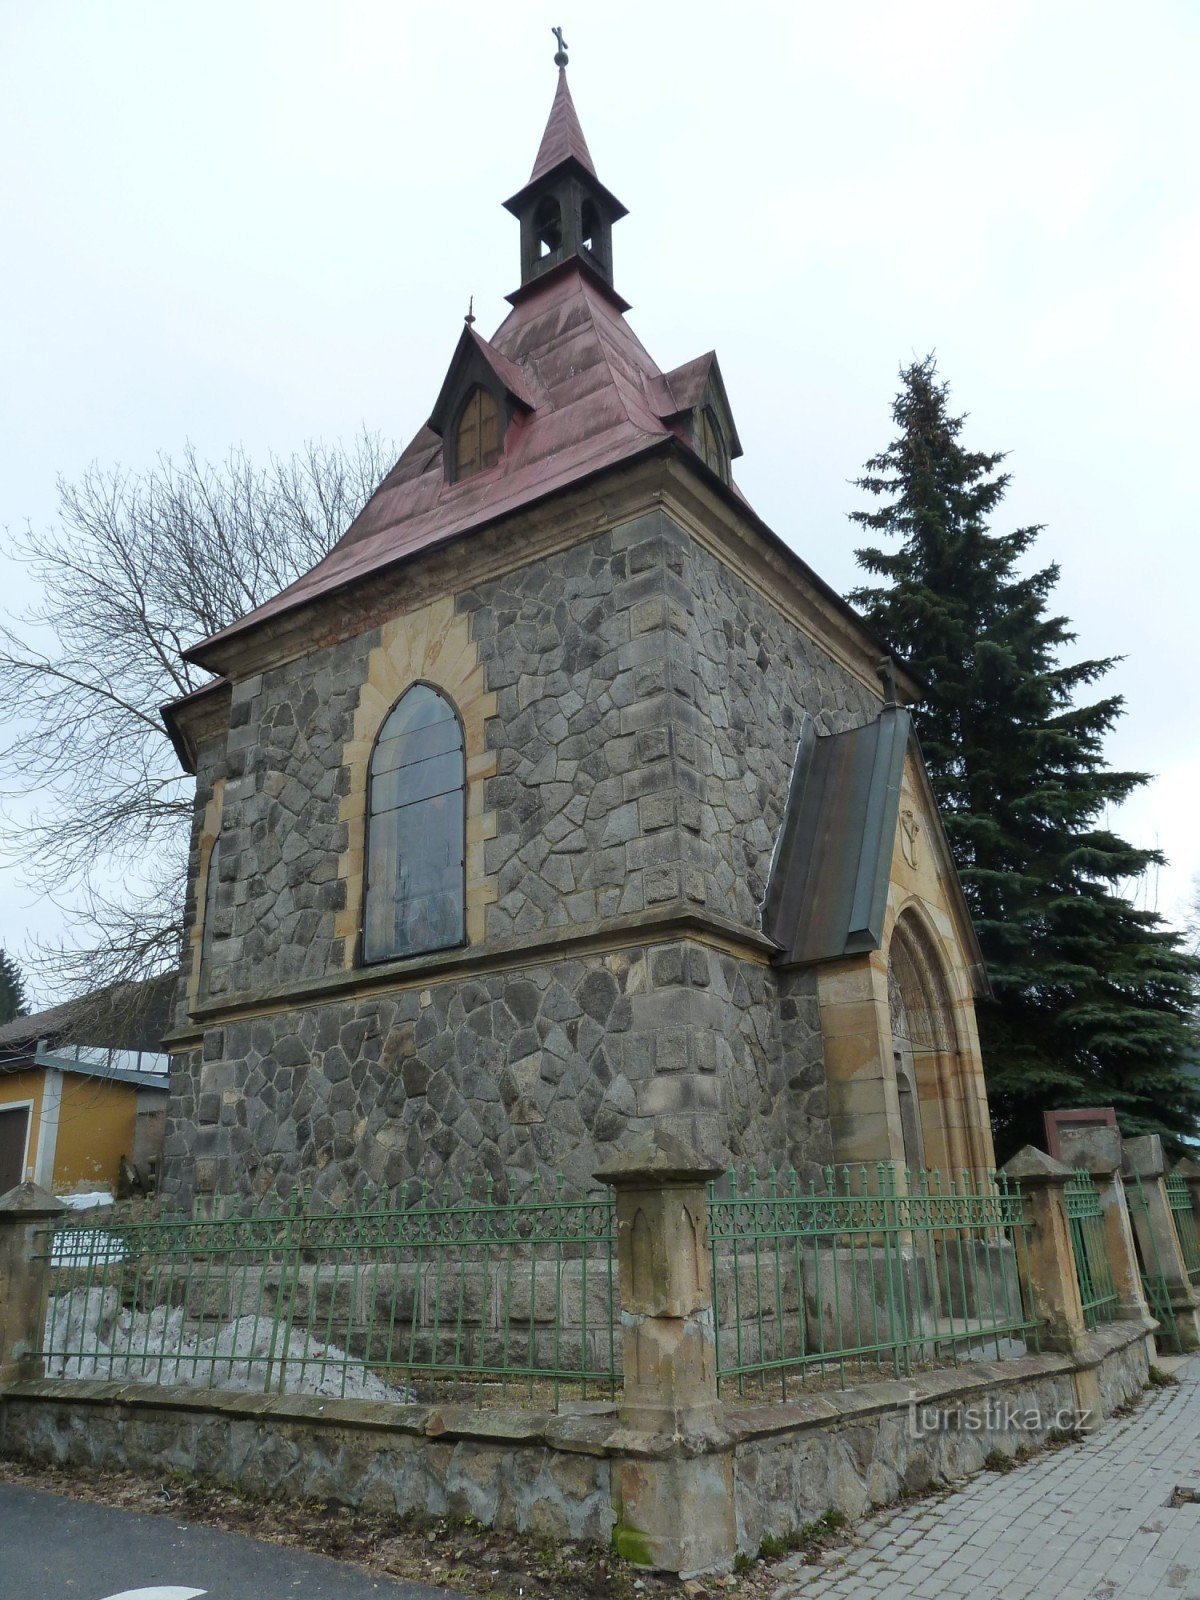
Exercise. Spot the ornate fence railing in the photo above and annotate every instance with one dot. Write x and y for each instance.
(1090, 1249)
(870, 1274)
(370, 1304)
(1184, 1219)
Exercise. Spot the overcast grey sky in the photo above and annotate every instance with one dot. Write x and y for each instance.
(260, 222)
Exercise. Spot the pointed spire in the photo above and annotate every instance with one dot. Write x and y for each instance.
(563, 137)
(565, 212)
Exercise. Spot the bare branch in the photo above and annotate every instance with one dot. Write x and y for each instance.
(138, 567)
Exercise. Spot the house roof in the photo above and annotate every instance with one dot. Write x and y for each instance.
(127, 1016)
(40, 1025)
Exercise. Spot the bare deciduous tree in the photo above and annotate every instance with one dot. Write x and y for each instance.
(139, 566)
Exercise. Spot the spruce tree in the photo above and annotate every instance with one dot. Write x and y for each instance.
(12, 989)
(1094, 999)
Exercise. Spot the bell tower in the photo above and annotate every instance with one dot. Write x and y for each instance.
(564, 210)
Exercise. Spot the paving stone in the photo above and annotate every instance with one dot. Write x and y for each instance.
(1087, 1523)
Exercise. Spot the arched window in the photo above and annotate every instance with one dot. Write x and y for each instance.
(416, 808)
(590, 224)
(477, 438)
(547, 226)
(712, 444)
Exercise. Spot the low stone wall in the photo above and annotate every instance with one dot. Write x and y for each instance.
(845, 1450)
(512, 1469)
(853, 1449)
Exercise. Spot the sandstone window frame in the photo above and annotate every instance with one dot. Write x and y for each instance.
(445, 809)
(212, 872)
(207, 887)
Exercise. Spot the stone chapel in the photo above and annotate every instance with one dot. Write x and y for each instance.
(560, 801)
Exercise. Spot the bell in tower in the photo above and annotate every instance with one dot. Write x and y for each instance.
(564, 210)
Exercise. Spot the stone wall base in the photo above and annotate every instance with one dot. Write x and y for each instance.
(855, 1449)
(845, 1450)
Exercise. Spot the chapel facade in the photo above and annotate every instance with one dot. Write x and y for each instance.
(560, 801)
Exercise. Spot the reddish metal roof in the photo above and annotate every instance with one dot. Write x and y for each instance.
(683, 389)
(595, 399)
(563, 137)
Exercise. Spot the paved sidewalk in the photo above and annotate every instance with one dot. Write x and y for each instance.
(1091, 1520)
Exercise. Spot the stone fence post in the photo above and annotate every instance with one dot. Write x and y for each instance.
(1190, 1173)
(1098, 1151)
(1155, 1229)
(24, 1211)
(1053, 1284)
(674, 1489)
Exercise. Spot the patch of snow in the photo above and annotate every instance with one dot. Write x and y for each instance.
(84, 1202)
(80, 1247)
(107, 1340)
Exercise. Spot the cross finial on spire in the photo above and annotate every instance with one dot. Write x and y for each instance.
(470, 316)
(560, 55)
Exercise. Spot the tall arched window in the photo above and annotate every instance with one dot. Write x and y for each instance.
(416, 810)
(547, 225)
(477, 438)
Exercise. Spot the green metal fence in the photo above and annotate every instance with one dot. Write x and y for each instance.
(1090, 1249)
(1184, 1219)
(477, 1297)
(870, 1274)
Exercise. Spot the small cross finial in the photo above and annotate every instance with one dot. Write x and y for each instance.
(470, 316)
(560, 55)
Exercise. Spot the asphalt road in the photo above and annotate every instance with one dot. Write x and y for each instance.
(52, 1548)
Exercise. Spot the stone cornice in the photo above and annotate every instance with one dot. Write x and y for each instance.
(197, 717)
(497, 955)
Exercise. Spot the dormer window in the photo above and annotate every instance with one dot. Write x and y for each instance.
(710, 442)
(477, 439)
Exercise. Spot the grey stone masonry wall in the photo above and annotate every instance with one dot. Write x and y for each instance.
(647, 702)
(648, 707)
(595, 790)
(753, 674)
(281, 831)
(515, 1073)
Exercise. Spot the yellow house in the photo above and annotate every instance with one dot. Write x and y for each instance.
(71, 1113)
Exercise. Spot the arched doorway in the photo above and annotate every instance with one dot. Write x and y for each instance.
(937, 1111)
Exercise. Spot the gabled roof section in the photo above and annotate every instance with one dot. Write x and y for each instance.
(584, 377)
(563, 139)
(829, 880)
(474, 358)
(689, 387)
